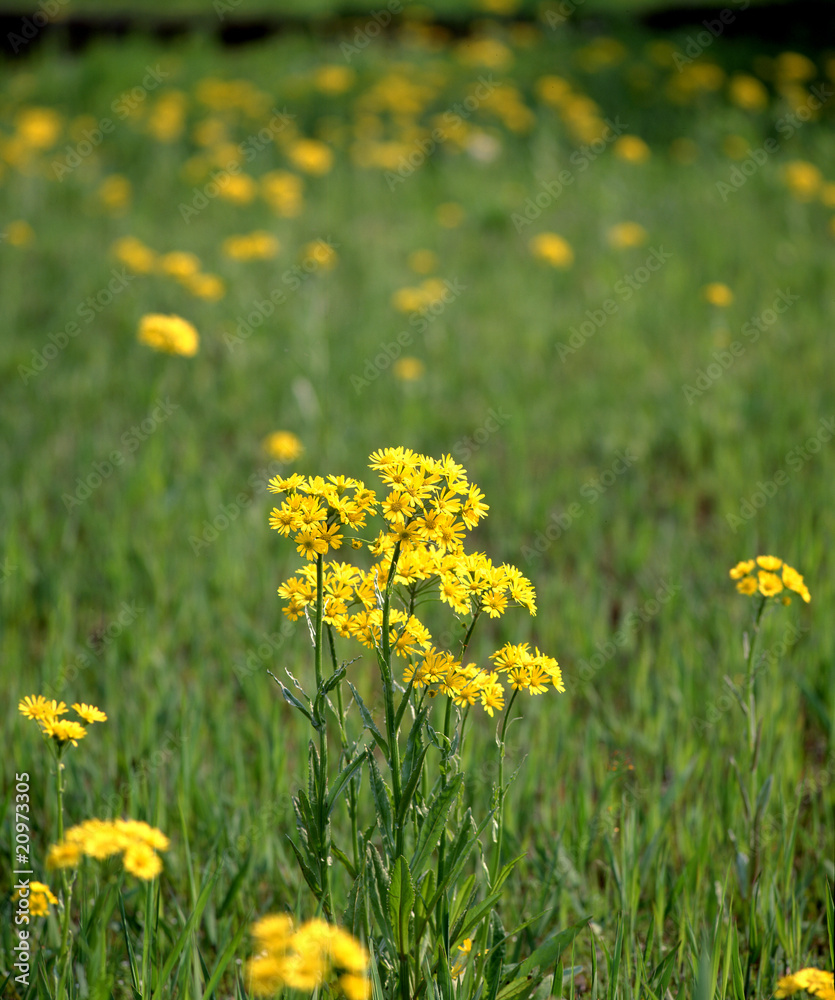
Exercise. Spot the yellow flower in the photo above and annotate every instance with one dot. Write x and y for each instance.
(792, 67)
(63, 856)
(334, 79)
(803, 179)
(171, 334)
(283, 192)
(101, 839)
(38, 707)
(322, 253)
(311, 156)
(747, 92)
(179, 264)
(38, 127)
(771, 563)
(284, 446)
(40, 899)
(632, 149)
(718, 294)
(63, 731)
(408, 369)
(627, 234)
(815, 981)
(742, 569)
(115, 192)
(239, 188)
(423, 261)
(133, 252)
(769, 583)
(552, 249)
(19, 233)
(89, 713)
(205, 286)
(747, 586)
(259, 245)
(140, 860)
(794, 581)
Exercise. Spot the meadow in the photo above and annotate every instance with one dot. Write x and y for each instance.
(594, 271)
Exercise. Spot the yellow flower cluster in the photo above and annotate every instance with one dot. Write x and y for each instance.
(427, 511)
(171, 334)
(313, 955)
(47, 713)
(136, 841)
(771, 578)
(181, 265)
(552, 249)
(258, 245)
(40, 899)
(815, 981)
(284, 446)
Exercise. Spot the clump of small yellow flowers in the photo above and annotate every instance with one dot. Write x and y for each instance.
(283, 446)
(552, 249)
(47, 713)
(19, 233)
(171, 334)
(718, 295)
(769, 576)
(41, 898)
(259, 245)
(408, 369)
(428, 508)
(803, 179)
(136, 841)
(815, 981)
(311, 156)
(632, 149)
(313, 955)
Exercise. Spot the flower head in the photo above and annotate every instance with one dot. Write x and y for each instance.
(170, 334)
(769, 576)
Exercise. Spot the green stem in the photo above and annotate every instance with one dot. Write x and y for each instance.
(388, 689)
(500, 819)
(322, 791)
(751, 680)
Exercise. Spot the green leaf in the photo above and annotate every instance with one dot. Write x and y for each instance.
(435, 822)
(309, 876)
(401, 900)
(614, 965)
(763, 797)
(378, 883)
(493, 970)
(343, 778)
(382, 803)
(235, 885)
(663, 973)
(291, 699)
(736, 966)
(224, 960)
(533, 969)
(185, 935)
(369, 722)
(344, 859)
(410, 787)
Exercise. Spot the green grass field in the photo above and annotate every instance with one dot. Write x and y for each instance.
(633, 441)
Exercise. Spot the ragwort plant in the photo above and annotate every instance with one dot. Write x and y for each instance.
(407, 892)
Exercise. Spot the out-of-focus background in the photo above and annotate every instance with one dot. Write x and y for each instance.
(587, 248)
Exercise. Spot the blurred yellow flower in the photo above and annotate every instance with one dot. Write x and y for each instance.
(321, 252)
(205, 286)
(19, 233)
(133, 252)
(803, 179)
(718, 294)
(814, 981)
(408, 369)
(632, 149)
(284, 446)
(552, 249)
(684, 150)
(258, 245)
(334, 79)
(553, 90)
(115, 192)
(170, 334)
(282, 191)
(167, 117)
(488, 52)
(38, 128)
(40, 899)
(827, 194)
(240, 188)
(627, 234)
(311, 156)
(100, 839)
(792, 67)
(423, 261)
(179, 264)
(747, 92)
